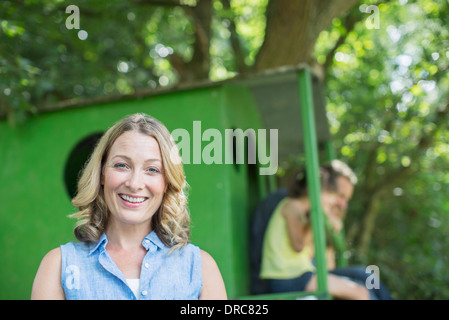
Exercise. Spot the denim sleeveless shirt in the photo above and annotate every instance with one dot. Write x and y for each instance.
(89, 273)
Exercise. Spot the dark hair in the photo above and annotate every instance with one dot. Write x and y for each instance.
(298, 182)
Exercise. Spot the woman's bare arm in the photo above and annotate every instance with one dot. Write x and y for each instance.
(213, 285)
(297, 225)
(47, 283)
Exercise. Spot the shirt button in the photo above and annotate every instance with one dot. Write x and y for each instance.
(144, 292)
(147, 265)
(147, 241)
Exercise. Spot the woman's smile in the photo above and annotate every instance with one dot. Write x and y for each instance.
(132, 201)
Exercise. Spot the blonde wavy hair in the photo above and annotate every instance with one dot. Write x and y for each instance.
(170, 222)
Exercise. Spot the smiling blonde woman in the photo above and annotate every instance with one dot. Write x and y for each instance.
(133, 226)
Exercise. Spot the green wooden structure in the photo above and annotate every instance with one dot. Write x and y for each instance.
(41, 159)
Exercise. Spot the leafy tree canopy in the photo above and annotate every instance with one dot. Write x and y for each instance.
(388, 104)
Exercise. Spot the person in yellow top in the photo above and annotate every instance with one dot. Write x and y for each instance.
(288, 252)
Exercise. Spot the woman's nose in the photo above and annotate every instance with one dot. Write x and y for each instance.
(135, 181)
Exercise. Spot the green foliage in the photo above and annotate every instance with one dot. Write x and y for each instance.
(410, 239)
(387, 92)
(249, 19)
(124, 47)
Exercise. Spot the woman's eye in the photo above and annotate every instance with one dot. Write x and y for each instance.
(120, 165)
(153, 170)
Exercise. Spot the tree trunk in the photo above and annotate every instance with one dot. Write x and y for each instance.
(368, 224)
(292, 29)
(197, 68)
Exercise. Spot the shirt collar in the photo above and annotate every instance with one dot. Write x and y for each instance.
(151, 243)
(102, 241)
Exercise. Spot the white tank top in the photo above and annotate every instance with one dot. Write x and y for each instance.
(134, 285)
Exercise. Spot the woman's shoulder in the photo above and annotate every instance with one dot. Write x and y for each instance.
(79, 245)
(208, 264)
(213, 285)
(47, 283)
(53, 257)
(207, 261)
(77, 253)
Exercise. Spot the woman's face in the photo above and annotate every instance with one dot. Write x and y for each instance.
(133, 178)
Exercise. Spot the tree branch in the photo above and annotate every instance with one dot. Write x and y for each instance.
(199, 66)
(292, 29)
(349, 22)
(235, 41)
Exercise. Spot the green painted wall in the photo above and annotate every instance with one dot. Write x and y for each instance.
(35, 203)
